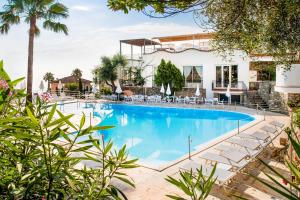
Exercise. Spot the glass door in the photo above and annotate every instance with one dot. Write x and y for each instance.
(226, 75)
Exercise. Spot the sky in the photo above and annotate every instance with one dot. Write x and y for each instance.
(94, 31)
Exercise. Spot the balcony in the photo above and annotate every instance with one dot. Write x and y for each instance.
(222, 86)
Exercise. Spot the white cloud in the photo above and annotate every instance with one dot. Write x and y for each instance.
(81, 8)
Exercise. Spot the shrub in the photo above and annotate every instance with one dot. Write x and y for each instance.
(41, 158)
(106, 91)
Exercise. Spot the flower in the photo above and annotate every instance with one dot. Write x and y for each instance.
(3, 84)
(46, 97)
(284, 182)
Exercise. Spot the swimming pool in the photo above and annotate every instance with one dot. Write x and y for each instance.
(159, 135)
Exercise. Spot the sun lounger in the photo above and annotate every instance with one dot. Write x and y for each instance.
(269, 129)
(209, 156)
(256, 135)
(234, 155)
(222, 175)
(277, 124)
(249, 152)
(248, 143)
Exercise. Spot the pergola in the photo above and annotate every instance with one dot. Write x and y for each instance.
(138, 42)
(176, 38)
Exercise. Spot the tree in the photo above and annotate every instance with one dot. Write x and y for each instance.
(77, 73)
(108, 70)
(138, 79)
(32, 11)
(168, 73)
(49, 77)
(269, 26)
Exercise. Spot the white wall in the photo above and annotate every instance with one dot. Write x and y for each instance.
(288, 81)
(208, 60)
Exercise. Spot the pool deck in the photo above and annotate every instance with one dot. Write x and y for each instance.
(151, 184)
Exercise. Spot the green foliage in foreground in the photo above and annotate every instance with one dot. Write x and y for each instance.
(193, 184)
(41, 158)
(168, 73)
(291, 188)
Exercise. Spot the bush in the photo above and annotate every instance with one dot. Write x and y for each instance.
(72, 86)
(106, 91)
(41, 158)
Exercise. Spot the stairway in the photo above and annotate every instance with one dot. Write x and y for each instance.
(255, 99)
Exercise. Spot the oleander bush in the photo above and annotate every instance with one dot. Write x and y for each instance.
(42, 158)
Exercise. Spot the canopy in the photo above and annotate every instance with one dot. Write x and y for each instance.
(197, 94)
(162, 89)
(168, 92)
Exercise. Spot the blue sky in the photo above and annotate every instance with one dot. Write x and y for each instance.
(94, 31)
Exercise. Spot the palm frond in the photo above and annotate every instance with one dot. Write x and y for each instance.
(56, 11)
(55, 26)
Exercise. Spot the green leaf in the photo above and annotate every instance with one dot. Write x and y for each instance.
(125, 180)
(82, 121)
(29, 113)
(51, 114)
(84, 148)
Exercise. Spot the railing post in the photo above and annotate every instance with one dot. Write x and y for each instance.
(90, 119)
(264, 114)
(238, 126)
(257, 109)
(189, 144)
(235, 105)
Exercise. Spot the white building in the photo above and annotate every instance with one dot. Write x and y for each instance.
(199, 63)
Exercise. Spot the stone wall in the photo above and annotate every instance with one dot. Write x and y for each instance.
(156, 90)
(275, 100)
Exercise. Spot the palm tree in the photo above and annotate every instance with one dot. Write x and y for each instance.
(77, 73)
(49, 77)
(108, 70)
(48, 11)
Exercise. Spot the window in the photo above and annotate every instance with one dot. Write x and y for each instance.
(193, 75)
(226, 75)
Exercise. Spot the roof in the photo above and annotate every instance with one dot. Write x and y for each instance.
(72, 79)
(175, 38)
(140, 42)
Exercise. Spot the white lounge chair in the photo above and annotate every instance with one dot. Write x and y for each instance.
(256, 135)
(213, 157)
(269, 129)
(248, 143)
(277, 124)
(249, 152)
(222, 176)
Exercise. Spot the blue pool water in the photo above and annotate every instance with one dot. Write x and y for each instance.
(158, 135)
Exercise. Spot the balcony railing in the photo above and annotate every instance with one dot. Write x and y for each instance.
(238, 85)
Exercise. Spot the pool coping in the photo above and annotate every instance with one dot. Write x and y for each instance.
(201, 147)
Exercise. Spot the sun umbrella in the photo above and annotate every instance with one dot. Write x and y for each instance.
(94, 90)
(228, 94)
(119, 90)
(162, 89)
(59, 86)
(197, 94)
(168, 92)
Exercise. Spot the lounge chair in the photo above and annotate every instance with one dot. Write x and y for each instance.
(222, 176)
(256, 135)
(244, 142)
(213, 157)
(208, 101)
(193, 100)
(249, 152)
(277, 124)
(221, 102)
(269, 129)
